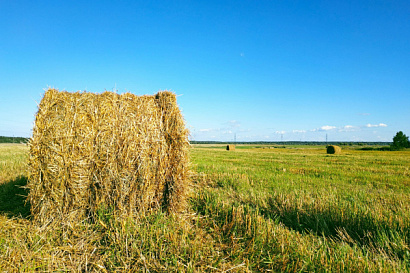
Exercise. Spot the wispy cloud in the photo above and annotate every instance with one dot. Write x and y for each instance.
(348, 128)
(225, 132)
(327, 128)
(376, 125)
(233, 128)
(323, 128)
(234, 124)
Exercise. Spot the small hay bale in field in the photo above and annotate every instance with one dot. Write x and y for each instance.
(333, 149)
(90, 151)
(230, 147)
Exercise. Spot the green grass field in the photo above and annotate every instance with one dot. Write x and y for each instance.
(256, 209)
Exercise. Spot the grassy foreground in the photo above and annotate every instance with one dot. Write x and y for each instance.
(291, 209)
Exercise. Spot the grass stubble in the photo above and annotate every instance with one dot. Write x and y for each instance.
(255, 210)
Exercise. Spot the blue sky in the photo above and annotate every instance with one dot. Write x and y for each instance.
(263, 70)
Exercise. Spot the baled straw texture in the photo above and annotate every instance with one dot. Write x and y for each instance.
(333, 149)
(230, 147)
(125, 153)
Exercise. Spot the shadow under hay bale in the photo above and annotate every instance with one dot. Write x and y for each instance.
(12, 198)
(333, 149)
(230, 147)
(125, 152)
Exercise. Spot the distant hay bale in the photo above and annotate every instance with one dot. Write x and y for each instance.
(230, 147)
(90, 151)
(333, 149)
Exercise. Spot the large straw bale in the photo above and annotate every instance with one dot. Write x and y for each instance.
(333, 149)
(230, 147)
(125, 153)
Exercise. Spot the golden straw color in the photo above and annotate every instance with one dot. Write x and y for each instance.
(124, 153)
(230, 147)
(333, 149)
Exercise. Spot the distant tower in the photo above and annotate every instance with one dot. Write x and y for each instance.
(326, 139)
(234, 140)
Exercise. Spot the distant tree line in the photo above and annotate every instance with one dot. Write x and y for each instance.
(5, 139)
(339, 143)
(400, 142)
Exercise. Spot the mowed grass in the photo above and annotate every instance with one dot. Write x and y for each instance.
(255, 209)
(312, 211)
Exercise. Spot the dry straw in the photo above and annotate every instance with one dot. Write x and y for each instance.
(125, 153)
(333, 149)
(230, 147)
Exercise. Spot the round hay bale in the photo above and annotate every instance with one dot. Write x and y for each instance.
(333, 149)
(230, 147)
(125, 153)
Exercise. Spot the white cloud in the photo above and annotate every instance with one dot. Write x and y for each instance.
(280, 132)
(205, 130)
(299, 131)
(376, 125)
(326, 128)
(348, 128)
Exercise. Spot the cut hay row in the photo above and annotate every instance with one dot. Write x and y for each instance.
(125, 153)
